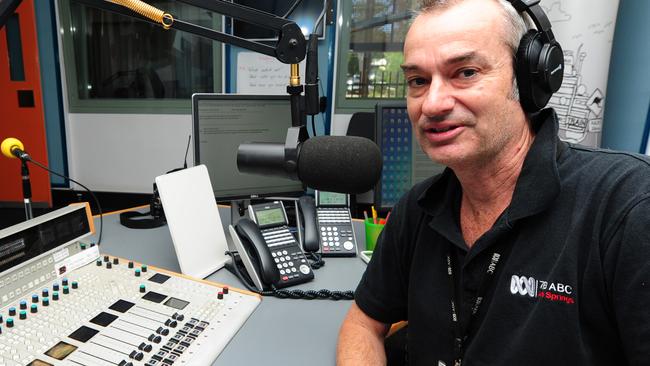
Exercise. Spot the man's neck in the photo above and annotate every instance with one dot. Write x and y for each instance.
(488, 187)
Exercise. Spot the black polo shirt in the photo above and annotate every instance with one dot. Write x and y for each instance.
(573, 283)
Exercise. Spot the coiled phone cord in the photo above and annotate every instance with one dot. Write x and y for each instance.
(310, 294)
(316, 260)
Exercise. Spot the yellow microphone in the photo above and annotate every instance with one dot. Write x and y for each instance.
(11, 147)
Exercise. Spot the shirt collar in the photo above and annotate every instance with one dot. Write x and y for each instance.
(537, 186)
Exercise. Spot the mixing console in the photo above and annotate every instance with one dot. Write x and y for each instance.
(72, 306)
(116, 313)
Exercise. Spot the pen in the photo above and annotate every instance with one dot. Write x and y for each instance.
(387, 216)
(365, 215)
(374, 214)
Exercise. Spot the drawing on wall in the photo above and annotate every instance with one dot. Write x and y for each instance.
(579, 108)
(586, 39)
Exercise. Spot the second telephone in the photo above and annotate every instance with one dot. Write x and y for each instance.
(268, 250)
(335, 230)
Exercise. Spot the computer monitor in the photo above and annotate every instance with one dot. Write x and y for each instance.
(405, 164)
(221, 122)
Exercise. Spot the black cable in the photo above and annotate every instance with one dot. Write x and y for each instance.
(189, 138)
(292, 294)
(317, 260)
(292, 8)
(310, 294)
(319, 22)
(313, 126)
(99, 207)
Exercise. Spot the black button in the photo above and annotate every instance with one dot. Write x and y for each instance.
(122, 306)
(154, 297)
(83, 334)
(103, 319)
(159, 278)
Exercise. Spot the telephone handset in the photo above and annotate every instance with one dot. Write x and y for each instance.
(261, 261)
(269, 251)
(308, 214)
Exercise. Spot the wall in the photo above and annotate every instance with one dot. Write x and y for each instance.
(125, 152)
(628, 88)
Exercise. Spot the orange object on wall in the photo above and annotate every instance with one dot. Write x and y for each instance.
(21, 106)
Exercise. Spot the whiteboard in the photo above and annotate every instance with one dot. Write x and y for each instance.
(262, 74)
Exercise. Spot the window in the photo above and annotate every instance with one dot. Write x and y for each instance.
(370, 51)
(115, 63)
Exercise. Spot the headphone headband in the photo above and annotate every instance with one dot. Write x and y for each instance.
(538, 16)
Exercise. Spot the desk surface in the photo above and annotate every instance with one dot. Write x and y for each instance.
(281, 331)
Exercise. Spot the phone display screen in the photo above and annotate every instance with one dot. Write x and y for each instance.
(332, 199)
(270, 217)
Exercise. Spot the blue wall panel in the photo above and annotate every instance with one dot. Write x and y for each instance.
(628, 86)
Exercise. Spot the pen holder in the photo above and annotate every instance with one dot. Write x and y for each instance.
(372, 233)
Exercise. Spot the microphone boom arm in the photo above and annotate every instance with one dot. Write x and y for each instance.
(291, 47)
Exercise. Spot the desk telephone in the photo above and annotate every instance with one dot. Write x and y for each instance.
(268, 250)
(334, 224)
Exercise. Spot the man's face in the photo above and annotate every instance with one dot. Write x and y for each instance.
(459, 73)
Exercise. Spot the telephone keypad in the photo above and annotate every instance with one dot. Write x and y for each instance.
(336, 233)
(287, 255)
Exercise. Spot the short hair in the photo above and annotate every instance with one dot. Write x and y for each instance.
(516, 26)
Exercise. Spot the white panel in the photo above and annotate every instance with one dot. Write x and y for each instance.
(193, 220)
(340, 124)
(125, 152)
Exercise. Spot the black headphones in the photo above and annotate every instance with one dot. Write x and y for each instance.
(539, 62)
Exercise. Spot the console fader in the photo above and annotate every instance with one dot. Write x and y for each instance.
(71, 306)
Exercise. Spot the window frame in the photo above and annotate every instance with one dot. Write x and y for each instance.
(345, 105)
(125, 106)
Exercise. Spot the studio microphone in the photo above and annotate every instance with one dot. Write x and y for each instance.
(12, 148)
(345, 164)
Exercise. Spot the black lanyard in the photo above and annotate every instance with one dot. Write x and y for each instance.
(460, 332)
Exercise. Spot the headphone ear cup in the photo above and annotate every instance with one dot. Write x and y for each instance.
(526, 63)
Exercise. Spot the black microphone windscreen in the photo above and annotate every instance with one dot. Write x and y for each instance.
(346, 164)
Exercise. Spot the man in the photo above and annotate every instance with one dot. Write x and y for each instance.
(526, 250)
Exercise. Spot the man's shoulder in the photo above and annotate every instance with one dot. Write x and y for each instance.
(600, 162)
(613, 175)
